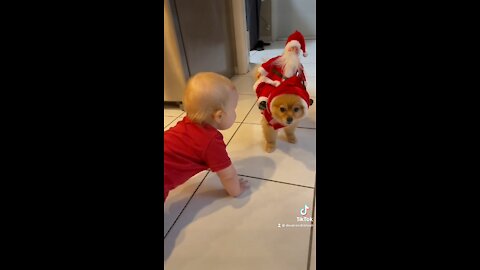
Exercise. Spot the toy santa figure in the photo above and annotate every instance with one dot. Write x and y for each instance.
(276, 70)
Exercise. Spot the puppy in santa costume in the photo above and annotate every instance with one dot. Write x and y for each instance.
(287, 104)
(276, 70)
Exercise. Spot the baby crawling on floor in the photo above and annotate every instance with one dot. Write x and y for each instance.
(195, 144)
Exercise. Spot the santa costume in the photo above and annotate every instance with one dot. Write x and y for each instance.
(273, 74)
(289, 86)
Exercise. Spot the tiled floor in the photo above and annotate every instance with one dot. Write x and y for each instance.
(206, 229)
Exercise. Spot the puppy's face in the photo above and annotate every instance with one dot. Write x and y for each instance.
(288, 109)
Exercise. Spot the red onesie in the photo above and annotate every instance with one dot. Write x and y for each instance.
(190, 148)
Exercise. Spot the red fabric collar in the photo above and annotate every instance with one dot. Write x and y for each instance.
(271, 122)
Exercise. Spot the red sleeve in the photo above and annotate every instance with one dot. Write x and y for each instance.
(264, 90)
(268, 65)
(216, 155)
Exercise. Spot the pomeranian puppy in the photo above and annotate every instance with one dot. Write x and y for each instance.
(284, 101)
(286, 111)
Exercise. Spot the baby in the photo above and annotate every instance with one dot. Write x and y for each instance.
(195, 144)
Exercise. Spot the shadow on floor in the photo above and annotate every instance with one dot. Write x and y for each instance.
(209, 198)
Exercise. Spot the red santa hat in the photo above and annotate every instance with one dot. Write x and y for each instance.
(290, 86)
(296, 40)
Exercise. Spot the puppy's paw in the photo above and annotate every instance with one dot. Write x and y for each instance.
(262, 105)
(291, 139)
(270, 147)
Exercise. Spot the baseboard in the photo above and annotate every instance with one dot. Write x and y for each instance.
(266, 39)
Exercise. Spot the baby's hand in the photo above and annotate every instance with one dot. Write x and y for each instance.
(244, 185)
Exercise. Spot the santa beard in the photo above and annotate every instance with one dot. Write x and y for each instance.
(290, 63)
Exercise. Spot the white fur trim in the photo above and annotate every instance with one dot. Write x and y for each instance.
(293, 43)
(305, 105)
(271, 82)
(271, 102)
(262, 71)
(260, 99)
(305, 54)
(265, 80)
(255, 85)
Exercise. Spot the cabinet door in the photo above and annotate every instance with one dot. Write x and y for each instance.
(174, 66)
(206, 30)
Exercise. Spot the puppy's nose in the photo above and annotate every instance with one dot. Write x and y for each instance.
(289, 120)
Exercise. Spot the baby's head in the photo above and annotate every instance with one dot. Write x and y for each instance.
(211, 98)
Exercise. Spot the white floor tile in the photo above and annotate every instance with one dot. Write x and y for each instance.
(264, 56)
(311, 45)
(310, 69)
(167, 120)
(245, 104)
(310, 59)
(312, 85)
(291, 163)
(228, 133)
(172, 111)
(216, 231)
(244, 84)
(254, 117)
(178, 198)
(174, 122)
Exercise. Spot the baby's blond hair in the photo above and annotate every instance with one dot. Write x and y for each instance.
(206, 93)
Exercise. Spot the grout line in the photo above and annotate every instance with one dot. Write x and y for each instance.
(246, 115)
(286, 183)
(170, 122)
(249, 123)
(185, 206)
(311, 228)
(308, 128)
(176, 117)
(233, 134)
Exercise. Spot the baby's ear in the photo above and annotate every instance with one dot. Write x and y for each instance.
(217, 116)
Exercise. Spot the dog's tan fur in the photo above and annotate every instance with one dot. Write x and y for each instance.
(294, 108)
(256, 74)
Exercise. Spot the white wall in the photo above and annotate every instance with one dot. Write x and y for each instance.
(291, 15)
